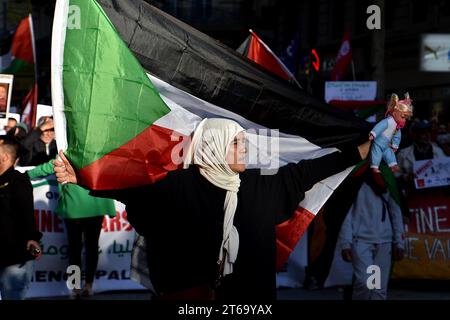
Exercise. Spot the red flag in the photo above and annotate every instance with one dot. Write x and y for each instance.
(23, 41)
(343, 59)
(29, 107)
(259, 52)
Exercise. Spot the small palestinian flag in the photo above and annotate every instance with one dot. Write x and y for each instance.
(22, 48)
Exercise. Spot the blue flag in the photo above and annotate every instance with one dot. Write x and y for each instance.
(289, 56)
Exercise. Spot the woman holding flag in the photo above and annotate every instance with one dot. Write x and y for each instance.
(212, 225)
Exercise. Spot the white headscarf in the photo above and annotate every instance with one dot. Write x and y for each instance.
(208, 151)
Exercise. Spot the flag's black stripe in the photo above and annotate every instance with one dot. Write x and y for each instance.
(190, 60)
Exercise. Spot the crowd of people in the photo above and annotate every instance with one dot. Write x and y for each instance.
(82, 213)
(372, 229)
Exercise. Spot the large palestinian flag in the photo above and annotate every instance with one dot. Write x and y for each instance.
(130, 83)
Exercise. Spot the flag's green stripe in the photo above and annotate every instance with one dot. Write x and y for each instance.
(46, 182)
(16, 66)
(388, 178)
(107, 95)
(391, 183)
(370, 111)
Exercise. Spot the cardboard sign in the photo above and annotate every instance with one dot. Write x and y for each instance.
(350, 90)
(6, 83)
(432, 173)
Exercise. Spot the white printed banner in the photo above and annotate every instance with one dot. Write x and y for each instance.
(350, 90)
(115, 245)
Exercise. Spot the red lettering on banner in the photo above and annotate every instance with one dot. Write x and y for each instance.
(47, 221)
(105, 224)
(423, 168)
(57, 224)
(114, 223)
(117, 223)
(127, 226)
(36, 217)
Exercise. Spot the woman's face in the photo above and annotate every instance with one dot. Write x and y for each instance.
(237, 153)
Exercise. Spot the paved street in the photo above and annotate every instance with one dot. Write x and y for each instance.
(412, 290)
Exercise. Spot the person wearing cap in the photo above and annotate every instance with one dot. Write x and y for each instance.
(421, 149)
(39, 146)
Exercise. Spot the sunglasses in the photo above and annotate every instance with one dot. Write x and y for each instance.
(49, 130)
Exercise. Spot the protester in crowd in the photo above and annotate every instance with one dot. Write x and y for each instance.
(443, 141)
(214, 222)
(12, 122)
(83, 216)
(39, 146)
(19, 131)
(421, 149)
(18, 234)
(371, 234)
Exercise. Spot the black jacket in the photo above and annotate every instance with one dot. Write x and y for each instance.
(33, 151)
(17, 223)
(182, 215)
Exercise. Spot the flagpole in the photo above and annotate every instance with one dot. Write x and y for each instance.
(296, 82)
(33, 46)
(35, 89)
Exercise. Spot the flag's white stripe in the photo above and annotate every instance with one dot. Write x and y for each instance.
(26, 112)
(188, 110)
(185, 103)
(58, 39)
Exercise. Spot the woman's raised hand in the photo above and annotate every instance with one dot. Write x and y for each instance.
(64, 171)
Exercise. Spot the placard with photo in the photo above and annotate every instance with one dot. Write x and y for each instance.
(6, 83)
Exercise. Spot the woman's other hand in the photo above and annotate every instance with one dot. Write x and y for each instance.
(364, 149)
